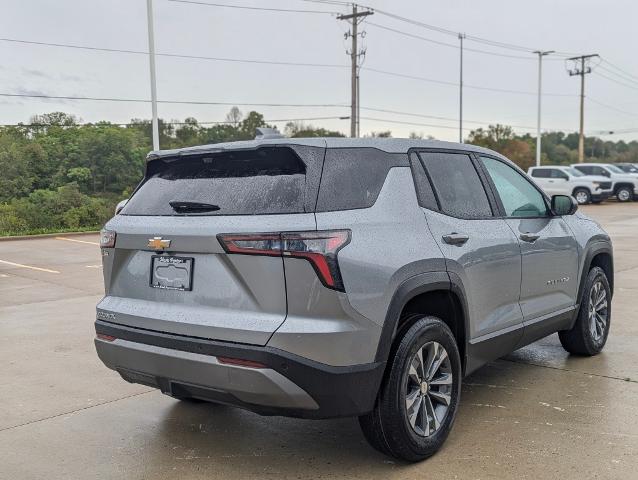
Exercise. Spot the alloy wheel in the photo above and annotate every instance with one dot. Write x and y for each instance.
(623, 195)
(598, 311)
(582, 198)
(428, 389)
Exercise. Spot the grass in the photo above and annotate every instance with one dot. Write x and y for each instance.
(44, 231)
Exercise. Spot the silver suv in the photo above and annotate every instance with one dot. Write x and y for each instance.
(333, 277)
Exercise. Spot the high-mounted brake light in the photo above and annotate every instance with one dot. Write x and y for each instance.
(107, 238)
(319, 248)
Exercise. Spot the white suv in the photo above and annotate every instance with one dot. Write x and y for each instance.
(625, 185)
(557, 180)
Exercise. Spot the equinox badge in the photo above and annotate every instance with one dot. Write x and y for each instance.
(157, 243)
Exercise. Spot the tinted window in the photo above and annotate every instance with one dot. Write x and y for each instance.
(352, 177)
(263, 181)
(518, 196)
(585, 169)
(541, 173)
(457, 185)
(556, 173)
(424, 192)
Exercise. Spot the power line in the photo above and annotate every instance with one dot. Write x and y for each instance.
(445, 44)
(182, 102)
(623, 77)
(268, 62)
(456, 84)
(246, 7)
(620, 69)
(611, 107)
(173, 55)
(132, 124)
(615, 81)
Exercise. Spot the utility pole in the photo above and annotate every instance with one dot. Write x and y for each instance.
(151, 54)
(581, 67)
(540, 54)
(354, 57)
(461, 38)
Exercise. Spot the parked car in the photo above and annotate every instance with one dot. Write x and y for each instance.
(560, 180)
(625, 185)
(334, 277)
(628, 167)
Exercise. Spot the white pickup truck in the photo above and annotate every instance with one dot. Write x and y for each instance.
(562, 180)
(624, 185)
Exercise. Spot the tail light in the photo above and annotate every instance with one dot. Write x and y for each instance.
(319, 248)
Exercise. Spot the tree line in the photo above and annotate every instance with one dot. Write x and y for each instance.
(57, 174)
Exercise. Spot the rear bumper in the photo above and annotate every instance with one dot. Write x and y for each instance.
(289, 385)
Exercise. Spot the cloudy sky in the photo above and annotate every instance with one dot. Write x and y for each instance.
(429, 103)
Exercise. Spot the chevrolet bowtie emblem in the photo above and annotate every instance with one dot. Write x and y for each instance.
(157, 243)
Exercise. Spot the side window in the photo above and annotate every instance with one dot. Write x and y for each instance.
(457, 185)
(541, 173)
(586, 170)
(559, 174)
(353, 177)
(518, 195)
(424, 192)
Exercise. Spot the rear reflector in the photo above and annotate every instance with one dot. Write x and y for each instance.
(240, 362)
(106, 338)
(320, 248)
(107, 238)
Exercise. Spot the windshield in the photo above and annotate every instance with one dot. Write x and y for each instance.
(574, 173)
(614, 169)
(628, 168)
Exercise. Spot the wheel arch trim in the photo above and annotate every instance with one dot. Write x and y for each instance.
(408, 290)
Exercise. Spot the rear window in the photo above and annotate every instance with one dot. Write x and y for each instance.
(268, 180)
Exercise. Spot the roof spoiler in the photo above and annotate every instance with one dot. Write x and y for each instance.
(265, 133)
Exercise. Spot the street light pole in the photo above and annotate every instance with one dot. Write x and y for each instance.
(151, 55)
(540, 54)
(461, 37)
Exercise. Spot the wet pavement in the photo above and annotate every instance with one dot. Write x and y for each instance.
(537, 413)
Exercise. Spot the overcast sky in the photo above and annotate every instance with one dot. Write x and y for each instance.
(579, 26)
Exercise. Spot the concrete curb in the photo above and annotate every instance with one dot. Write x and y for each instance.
(46, 235)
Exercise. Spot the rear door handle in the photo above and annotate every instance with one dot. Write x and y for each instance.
(455, 238)
(529, 237)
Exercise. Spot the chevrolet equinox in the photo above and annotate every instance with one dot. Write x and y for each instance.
(334, 277)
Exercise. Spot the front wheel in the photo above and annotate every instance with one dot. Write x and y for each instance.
(624, 194)
(418, 400)
(589, 334)
(582, 196)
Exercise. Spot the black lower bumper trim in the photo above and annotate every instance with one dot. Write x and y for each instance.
(339, 391)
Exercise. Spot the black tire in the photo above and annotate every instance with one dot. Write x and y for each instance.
(582, 196)
(387, 428)
(585, 338)
(624, 194)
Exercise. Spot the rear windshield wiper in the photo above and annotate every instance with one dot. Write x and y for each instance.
(192, 207)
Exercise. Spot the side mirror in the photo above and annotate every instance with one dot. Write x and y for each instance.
(120, 206)
(564, 205)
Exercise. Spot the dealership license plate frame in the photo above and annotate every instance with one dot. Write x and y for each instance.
(189, 262)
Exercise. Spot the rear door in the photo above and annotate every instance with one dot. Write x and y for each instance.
(169, 272)
(543, 178)
(479, 248)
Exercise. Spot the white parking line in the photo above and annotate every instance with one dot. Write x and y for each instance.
(29, 267)
(77, 241)
(93, 266)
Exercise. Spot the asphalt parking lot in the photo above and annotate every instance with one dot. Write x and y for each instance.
(537, 413)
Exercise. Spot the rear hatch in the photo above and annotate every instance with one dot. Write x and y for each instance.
(168, 271)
